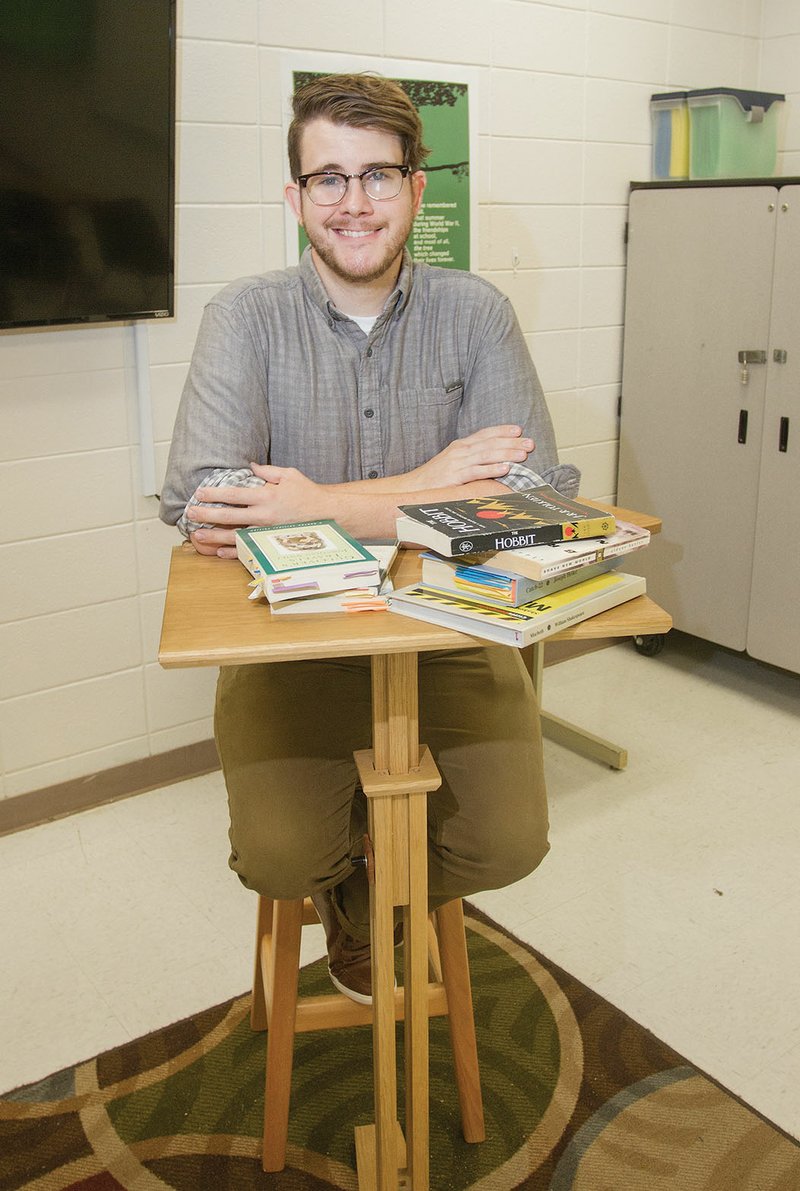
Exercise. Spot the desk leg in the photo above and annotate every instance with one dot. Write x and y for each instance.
(384, 1051)
(585, 743)
(396, 780)
(415, 969)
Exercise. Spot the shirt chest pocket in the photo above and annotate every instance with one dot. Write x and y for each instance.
(439, 395)
(429, 420)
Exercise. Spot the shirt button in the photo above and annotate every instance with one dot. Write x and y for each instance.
(372, 475)
(369, 413)
(369, 351)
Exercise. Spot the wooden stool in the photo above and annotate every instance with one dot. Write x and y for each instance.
(277, 1008)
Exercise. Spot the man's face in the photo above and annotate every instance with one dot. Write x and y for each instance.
(359, 239)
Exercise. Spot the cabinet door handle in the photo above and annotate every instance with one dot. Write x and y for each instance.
(748, 357)
(783, 435)
(742, 425)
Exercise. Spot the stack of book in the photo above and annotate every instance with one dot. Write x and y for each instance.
(516, 568)
(314, 566)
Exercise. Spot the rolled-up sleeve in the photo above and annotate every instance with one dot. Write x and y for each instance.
(223, 416)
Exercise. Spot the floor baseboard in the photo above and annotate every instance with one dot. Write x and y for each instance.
(109, 785)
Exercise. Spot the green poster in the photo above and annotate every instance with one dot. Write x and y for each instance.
(441, 233)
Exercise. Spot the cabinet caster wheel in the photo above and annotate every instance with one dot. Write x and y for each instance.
(650, 645)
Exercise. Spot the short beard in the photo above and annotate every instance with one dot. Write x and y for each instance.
(393, 251)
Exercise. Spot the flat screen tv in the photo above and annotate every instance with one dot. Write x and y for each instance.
(87, 146)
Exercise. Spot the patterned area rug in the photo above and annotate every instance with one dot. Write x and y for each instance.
(577, 1098)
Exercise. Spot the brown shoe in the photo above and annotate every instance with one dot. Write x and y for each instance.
(349, 959)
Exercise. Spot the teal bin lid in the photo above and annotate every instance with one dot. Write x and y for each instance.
(668, 95)
(747, 100)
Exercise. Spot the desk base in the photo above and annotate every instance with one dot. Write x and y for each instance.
(585, 743)
(581, 741)
(366, 1159)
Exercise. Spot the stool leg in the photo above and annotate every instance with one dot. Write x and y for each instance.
(460, 1019)
(258, 1002)
(434, 959)
(281, 999)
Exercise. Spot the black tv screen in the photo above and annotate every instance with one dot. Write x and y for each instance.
(87, 118)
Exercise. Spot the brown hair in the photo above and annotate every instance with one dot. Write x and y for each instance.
(358, 101)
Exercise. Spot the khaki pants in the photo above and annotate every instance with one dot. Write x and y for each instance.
(286, 734)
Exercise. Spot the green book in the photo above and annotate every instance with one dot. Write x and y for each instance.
(305, 558)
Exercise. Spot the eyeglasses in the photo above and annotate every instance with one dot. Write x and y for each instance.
(380, 182)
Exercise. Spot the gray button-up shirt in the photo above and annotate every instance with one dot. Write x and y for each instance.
(279, 375)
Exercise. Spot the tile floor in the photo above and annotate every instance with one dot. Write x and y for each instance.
(672, 888)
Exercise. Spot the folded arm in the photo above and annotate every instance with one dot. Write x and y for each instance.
(482, 463)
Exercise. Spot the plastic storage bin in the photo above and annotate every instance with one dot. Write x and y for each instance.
(733, 134)
(669, 118)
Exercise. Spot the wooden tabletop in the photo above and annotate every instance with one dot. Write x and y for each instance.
(209, 621)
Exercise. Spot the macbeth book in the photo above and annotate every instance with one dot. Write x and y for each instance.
(523, 625)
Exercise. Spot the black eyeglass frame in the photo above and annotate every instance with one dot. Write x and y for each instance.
(303, 180)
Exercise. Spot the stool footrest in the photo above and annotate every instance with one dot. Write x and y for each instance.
(331, 1011)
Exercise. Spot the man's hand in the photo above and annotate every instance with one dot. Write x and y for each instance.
(286, 495)
(484, 455)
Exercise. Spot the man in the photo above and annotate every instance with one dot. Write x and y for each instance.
(342, 388)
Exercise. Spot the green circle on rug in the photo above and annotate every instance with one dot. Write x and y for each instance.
(220, 1093)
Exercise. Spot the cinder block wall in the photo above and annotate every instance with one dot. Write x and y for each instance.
(564, 125)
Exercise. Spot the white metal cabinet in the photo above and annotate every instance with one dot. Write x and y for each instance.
(708, 442)
(774, 623)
